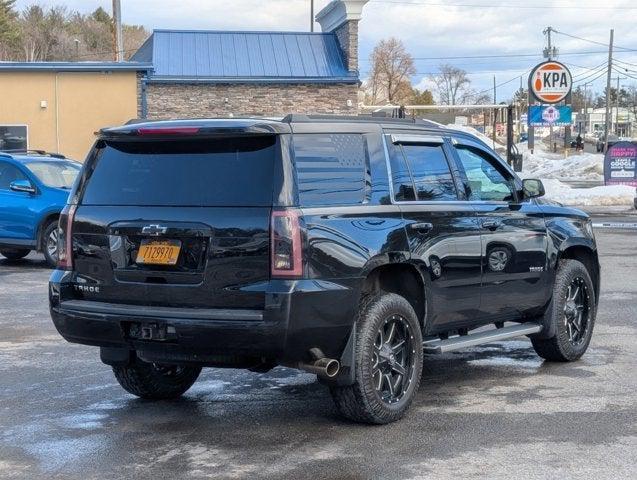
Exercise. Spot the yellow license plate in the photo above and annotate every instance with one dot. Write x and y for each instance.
(159, 252)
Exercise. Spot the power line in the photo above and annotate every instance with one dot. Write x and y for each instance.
(586, 69)
(593, 41)
(624, 73)
(602, 73)
(527, 7)
(626, 63)
(498, 85)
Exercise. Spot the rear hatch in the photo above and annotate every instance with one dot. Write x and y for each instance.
(180, 222)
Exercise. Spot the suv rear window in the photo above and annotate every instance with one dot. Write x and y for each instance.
(331, 169)
(202, 172)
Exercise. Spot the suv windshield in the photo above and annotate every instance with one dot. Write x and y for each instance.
(198, 172)
(55, 174)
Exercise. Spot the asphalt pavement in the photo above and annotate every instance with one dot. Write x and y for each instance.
(496, 411)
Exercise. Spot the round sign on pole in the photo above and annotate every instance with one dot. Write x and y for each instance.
(550, 82)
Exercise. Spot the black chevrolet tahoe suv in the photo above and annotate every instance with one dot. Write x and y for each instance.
(348, 247)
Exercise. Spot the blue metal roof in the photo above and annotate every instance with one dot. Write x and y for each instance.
(237, 57)
(75, 66)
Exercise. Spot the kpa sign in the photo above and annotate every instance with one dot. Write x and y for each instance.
(550, 82)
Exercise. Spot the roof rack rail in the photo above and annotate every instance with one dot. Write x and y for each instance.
(39, 152)
(304, 118)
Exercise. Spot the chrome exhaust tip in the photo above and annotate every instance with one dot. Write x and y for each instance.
(321, 365)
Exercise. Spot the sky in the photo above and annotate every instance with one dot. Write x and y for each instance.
(429, 28)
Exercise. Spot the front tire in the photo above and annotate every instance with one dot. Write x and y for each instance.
(14, 254)
(388, 366)
(572, 314)
(154, 381)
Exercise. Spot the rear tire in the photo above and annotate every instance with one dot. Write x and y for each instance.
(572, 312)
(15, 254)
(156, 382)
(380, 393)
(50, 243)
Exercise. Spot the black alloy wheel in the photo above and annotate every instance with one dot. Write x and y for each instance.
(570, 315)
(393, 359)
(577, 310)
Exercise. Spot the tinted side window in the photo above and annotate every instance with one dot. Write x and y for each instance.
(401, 176)
(8, 174)
(430, 171)
(331, 168)
(486, 181)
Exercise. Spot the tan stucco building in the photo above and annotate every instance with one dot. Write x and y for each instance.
(57, 107)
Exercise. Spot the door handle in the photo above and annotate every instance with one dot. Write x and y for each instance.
(490, 224)
(421, 227)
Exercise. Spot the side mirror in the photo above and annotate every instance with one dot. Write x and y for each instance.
(22, 186)
(532, 188)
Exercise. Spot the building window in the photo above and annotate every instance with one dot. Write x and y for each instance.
(13, 137)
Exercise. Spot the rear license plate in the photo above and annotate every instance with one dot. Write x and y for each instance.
(159, 252)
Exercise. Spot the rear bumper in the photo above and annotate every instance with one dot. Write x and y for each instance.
(298, 315)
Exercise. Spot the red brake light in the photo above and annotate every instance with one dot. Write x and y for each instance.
(65, 237)
(285, 240)
(168, 130)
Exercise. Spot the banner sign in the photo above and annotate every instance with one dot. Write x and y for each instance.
(620, 164)
(547, 116)
(550, 82)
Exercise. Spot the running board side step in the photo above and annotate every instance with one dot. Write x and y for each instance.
(452, 344)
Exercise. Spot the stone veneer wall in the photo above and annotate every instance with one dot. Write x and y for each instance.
(347, 36)
(140, 77)
(177, 100)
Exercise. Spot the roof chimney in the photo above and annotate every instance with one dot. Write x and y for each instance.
(341, 17)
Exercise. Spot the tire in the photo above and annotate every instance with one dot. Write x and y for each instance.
(570, 341)
(156, 382)
(363, 401)
(15, 254)
(49, 243)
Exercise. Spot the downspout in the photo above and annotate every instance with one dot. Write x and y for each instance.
(57, 115)
(144, 101)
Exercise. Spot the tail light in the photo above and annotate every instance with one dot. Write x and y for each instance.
(65, 237)
(168, 130)
(286, 249)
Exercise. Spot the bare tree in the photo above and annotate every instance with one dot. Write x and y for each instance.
(390, 74)
(59, 34)
(452, 85)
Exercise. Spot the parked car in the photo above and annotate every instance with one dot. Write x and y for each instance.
(34, 187)
(612, 140)
(524, 137)
(343, 246)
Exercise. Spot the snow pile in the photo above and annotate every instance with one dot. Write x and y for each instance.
(489, 141)
(604, 196)
(580, 166)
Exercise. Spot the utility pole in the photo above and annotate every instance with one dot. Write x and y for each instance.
(495, 112)
(311, 15)
(585, 111)
(608, 75)
(117, 31)
(549, 53)
(617, 103)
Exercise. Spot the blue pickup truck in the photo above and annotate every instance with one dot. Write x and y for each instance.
(34, 187)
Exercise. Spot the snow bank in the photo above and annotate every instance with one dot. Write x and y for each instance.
(580, 166)
(604, 196)
(465, 128)
(553, 167)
